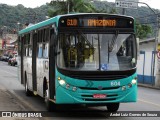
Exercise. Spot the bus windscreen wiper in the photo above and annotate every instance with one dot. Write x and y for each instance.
(86, 40)
(111, 46)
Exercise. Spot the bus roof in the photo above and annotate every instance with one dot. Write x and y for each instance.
(56, 18)
(39, 25)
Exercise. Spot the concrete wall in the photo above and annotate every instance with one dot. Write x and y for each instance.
(145, 65)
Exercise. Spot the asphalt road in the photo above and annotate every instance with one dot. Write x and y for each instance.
(148, 100)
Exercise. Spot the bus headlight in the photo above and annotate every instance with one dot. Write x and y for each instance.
(62, 82)
(123, 88)
(74, 88)
(134, 81)
(129, 85)
(67, 86)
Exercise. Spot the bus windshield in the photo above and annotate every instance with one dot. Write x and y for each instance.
(92, 52)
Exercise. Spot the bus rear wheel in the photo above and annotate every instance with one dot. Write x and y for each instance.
(113, 107)
(27, 91)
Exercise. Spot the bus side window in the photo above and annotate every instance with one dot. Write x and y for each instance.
(39, 50)
(26, 51)
(45, 50)
(30, 51)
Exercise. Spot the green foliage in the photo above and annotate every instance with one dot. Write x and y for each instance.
(70, 6)
(104, 7)
(143, 30)
(10, 15)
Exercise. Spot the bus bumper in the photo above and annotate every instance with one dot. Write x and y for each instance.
(82, 96)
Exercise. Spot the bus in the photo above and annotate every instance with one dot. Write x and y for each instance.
(87, 59)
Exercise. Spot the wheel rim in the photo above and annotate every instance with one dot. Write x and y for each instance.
(26, 87)
(46, 96)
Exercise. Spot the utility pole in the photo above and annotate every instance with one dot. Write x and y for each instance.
(68, 6)
(18, 25)
(123, 11)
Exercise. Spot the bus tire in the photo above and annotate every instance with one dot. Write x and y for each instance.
(49, 105)
(113, 107)
(27, 91)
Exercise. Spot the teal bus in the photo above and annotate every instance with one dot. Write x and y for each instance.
(87, 59)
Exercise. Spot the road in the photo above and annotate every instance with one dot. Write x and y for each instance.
(148, 100)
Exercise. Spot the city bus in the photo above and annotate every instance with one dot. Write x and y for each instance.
(80, 59)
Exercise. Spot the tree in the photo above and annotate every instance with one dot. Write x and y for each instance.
(142, 30)
(63, 7)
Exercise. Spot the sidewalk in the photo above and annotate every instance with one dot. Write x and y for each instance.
(148, 86)
(8, 102)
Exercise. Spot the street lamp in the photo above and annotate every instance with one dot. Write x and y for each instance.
(18, 23)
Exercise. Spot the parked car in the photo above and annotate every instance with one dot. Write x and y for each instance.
(4, 57)
(9, 60)
(8, 57)
(13, 60)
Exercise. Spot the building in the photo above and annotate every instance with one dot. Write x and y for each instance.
(6, 43)
(148, 68)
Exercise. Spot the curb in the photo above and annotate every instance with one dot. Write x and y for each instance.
(25, 104)
(148, 86)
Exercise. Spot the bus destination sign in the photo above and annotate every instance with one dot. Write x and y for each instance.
(96, 22)
(93, 22)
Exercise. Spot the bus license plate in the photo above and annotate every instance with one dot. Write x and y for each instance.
(99, 96)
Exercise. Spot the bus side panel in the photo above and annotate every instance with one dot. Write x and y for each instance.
(28, 71)
(42, 74)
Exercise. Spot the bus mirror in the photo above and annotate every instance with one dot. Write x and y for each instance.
(137, 41)
(54, 28)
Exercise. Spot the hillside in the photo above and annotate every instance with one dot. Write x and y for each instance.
(10, 15)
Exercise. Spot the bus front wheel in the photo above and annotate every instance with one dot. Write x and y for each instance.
(113, 107)
(49, 105)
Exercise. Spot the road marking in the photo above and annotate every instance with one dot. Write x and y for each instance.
(157, 105)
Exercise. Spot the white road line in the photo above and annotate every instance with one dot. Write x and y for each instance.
(157, 105)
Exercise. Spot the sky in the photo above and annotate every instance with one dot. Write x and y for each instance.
(26, 3)
(37, 3)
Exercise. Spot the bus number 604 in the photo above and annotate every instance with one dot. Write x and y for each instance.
(115, 83)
